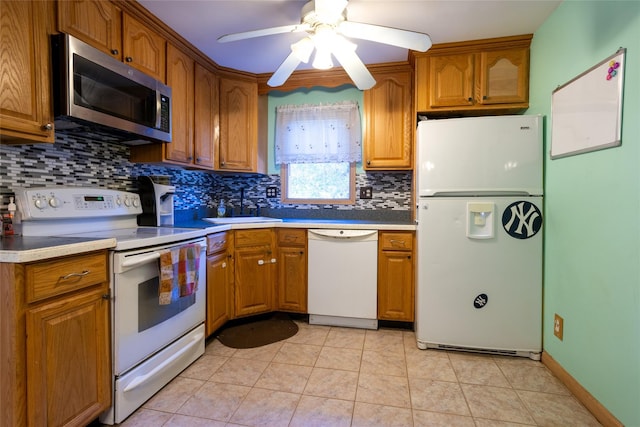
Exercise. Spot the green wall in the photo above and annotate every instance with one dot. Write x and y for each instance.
(592, 207)
(315, 95)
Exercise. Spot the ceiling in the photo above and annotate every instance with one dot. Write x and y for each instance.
(201, 22)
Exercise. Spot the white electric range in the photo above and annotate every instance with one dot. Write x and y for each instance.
(151, 343)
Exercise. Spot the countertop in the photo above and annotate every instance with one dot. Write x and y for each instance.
(20, 249)
(302, 223)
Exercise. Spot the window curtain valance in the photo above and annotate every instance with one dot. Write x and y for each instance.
(321, 133)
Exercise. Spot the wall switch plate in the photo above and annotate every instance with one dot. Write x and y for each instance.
(366, 192)
(272, 192)
(558, 326)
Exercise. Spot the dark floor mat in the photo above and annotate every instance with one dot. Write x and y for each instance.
(259, 332)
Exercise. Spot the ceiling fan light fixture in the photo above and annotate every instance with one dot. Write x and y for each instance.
(302, 49)
(322, 59)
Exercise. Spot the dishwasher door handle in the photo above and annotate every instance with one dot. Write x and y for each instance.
(339, 234)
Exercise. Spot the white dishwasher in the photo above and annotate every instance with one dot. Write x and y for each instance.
(343, 278)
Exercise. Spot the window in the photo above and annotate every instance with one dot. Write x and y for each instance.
(317, 147)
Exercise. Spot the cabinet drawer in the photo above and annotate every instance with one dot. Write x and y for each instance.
(217, 243)
(292, 237)
(396, 241)
(253, 237)
(49, 278)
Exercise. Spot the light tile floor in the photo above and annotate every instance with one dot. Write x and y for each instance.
(329, 376)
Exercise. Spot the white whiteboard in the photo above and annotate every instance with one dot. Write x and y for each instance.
(586, 112)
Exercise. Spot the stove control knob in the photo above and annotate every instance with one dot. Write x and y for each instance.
(118, 201)
(40, 203)
(127, 202)
(54, 202)
(136, 203)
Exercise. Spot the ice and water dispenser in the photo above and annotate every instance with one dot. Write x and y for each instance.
(480, 220)
(156, 194)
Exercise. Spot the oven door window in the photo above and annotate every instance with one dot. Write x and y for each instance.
(150, 313)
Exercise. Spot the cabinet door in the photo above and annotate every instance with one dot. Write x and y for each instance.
(218, 291)
(395, 286)
(68, 360)
(389, 122)
(143, 48)
(25, 104)
(96, 22)
(254, 279)
(504, 76)
(238, 125)
(292, 279)
(180, 69)
(207, 119)
(451, 80)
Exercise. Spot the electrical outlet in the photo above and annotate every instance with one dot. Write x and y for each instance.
(366, 192)
(272, 192)
(558, 325)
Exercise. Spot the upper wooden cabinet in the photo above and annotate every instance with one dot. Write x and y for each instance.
(388, 112)
(238, 143)
(195, 117)
(103, 25)
(98, 23)
(25, 105)
(180, 77)
(206, 130)
(143, 48)
(488, 76)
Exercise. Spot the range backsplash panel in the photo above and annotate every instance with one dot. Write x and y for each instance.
(93, 160)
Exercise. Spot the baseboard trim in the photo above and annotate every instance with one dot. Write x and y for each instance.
(601, 413)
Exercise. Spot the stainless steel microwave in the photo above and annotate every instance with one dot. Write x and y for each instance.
(93, 89)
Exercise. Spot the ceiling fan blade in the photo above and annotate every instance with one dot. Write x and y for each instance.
(354, 67)
(392, 36)
(284, 70)
(264, 32)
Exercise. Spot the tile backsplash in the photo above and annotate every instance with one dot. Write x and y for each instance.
(91, 159)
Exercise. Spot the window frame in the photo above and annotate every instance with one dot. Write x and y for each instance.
(284, 175)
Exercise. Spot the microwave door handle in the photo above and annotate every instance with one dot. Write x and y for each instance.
(158, 109)
(139, 260)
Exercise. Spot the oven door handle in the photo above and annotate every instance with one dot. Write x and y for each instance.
(139, 260)
(140, 380)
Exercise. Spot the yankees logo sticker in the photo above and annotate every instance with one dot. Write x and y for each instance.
(522, 220)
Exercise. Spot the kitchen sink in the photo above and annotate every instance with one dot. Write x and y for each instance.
(241, 219)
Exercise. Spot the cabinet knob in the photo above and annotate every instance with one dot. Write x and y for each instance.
(221, 162)
(197, 159)
(189, 158)
(484, 96)
(47, 126)
(469, 99)
(115, 51)
(368, 162)
(128, 59)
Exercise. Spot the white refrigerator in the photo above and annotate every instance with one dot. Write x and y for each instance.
(479, 192)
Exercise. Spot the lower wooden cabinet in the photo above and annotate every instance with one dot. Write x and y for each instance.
(55, 342)
(292, 270)
(396, 276)
(255, 271)
(219, 281)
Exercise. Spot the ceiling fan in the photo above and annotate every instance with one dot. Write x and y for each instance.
(327, 28)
